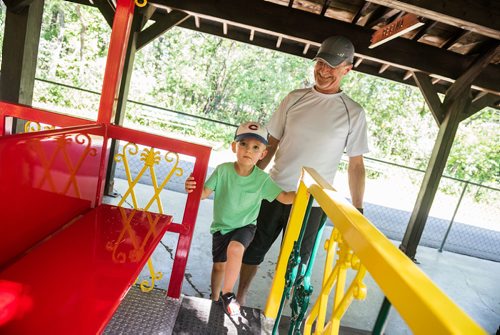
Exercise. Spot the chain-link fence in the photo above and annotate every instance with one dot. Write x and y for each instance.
(464, 218)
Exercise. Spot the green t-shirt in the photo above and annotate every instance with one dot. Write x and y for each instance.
(237, 198)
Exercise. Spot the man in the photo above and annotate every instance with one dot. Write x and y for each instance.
(311, 127)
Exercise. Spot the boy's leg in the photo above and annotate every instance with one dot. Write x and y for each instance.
(218, 270)
(272, 218)
(219, 246)
(235, 252)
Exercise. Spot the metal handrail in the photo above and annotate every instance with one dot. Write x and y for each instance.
(423, 306)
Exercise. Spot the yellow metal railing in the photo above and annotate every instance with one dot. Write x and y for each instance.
(150, 158)
(423, 306)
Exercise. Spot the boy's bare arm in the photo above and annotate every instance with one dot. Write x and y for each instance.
(190, 186)
(286, 197)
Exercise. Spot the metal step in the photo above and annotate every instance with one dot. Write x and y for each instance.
(202, 316)
(154, 313)
(144, 313)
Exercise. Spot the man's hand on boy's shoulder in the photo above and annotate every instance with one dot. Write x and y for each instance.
(190, 184)
(286, 197)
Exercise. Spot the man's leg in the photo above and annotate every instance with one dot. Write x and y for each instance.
(310, 234)
(270, 224)
(247, 273)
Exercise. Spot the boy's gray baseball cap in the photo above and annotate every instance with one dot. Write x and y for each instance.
(253, 130)
(336, 49)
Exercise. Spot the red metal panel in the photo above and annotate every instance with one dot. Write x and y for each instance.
(39, 115)
(46, 179)
(73, 282)
(159, 142)
(188, 221)
(202, 155)
(116, 59)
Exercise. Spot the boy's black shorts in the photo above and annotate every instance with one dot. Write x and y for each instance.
(244, 235)
(271, 222)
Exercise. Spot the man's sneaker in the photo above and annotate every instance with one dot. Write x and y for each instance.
(218, 302)
(230, 305)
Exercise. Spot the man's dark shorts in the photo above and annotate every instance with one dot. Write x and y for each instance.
(220, 242)
(271, 222)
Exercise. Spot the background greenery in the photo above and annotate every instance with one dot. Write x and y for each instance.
(232, 82)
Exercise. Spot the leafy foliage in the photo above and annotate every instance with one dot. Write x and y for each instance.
(220, 79)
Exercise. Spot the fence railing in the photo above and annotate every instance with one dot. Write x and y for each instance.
(464, 217)
(360, 246)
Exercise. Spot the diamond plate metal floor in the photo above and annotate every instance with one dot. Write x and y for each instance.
(202, 316)
(154, 313)
(144, 313)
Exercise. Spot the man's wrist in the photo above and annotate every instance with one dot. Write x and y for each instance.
(360, 209)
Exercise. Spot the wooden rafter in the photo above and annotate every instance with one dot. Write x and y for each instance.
(304, 27)
(480, 16)
(160, 27)
(16, 6)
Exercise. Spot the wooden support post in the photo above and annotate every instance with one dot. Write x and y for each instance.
(19, 55)
(457, 103)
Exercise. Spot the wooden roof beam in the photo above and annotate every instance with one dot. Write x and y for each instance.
(454, 38)
(421, 32)
(465, 80)
(160, 27)
(480, 16)
(107, 10)
(325, 7)
(480, 103)
(430, 95)
(384, 16)
(17, 6)
(304, 27)
(358, 14)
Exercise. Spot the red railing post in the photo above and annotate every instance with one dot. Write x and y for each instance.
(116, 59)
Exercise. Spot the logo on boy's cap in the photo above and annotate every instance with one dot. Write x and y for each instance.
(251, 130)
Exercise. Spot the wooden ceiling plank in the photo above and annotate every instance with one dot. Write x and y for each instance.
(430, 95)
(454, 38)
(160, 27)
(325, 7)
(480, 16)
(358, 14)
(384, 17)
(427, 25)
(310, 28)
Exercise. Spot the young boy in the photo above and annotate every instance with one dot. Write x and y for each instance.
(239, 189)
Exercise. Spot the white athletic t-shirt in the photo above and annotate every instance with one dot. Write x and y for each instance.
(314, 129)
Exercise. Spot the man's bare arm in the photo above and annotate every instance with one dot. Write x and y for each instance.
(356, 175)
(271, 150)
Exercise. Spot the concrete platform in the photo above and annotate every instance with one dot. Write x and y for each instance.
(471, 282)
